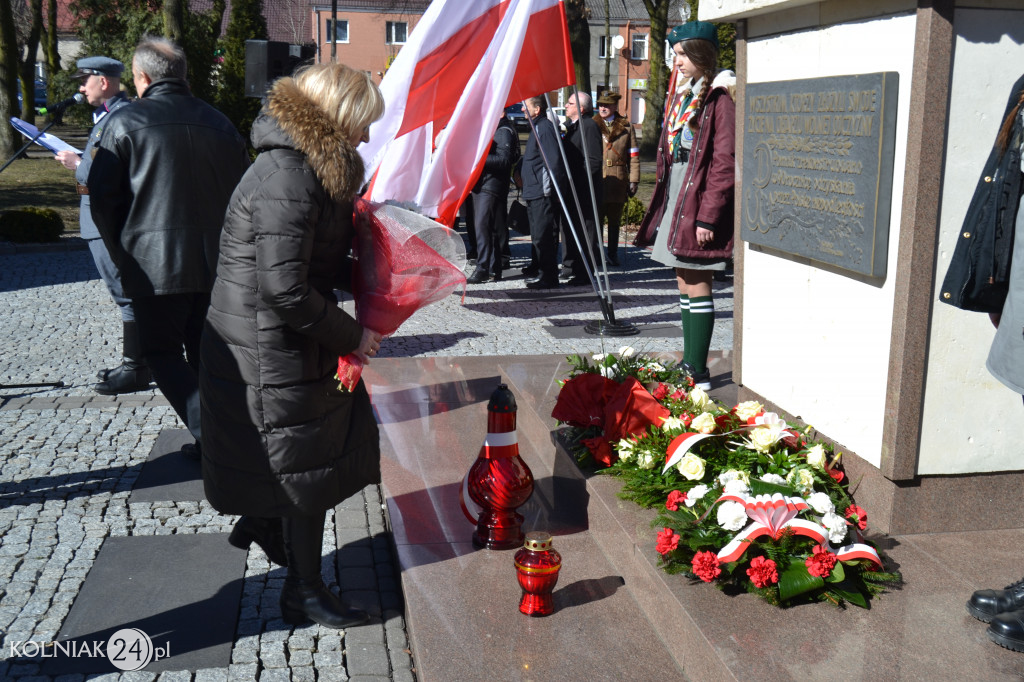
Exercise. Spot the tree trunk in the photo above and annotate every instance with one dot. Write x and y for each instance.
(174, 13)
(8, 78)
(657, 83)
(50, 44)
(28, 66)
(579, 40)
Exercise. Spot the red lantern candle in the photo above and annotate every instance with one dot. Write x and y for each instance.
(499, 480)
(537, 566)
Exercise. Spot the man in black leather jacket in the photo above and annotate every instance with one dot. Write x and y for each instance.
(160, 182)
(490, 202)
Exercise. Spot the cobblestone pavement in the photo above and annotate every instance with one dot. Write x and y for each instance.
(69, 457)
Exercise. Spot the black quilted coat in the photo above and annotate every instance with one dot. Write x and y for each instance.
(279, 437)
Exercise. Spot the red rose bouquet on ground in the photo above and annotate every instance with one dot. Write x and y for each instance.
(403, 261)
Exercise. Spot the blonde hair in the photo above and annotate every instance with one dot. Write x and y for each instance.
(348, 96)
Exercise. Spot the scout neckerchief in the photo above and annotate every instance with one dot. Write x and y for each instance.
(682, 107)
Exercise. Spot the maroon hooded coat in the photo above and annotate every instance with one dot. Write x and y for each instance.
(707, 193)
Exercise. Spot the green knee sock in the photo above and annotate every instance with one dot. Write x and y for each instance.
(684, 314)
(697, 336)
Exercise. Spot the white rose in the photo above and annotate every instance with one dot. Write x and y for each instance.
(773, 478)
(816, 457)
(801, 479)
(732, 515)
(704, 423)
(694, 494)
(672, 424)
(735, 487)
(625, 449)
(836, 526)
(656, 367)
(691, 467)
(627, 352)
(763, 438)
(821, 503)
(699, 398)
(749, 409)
(608, 372)
(645, 459)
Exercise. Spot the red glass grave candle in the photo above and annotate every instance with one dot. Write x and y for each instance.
(499, 480)
(537, 566)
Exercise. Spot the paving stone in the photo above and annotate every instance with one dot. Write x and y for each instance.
(175, 676)
(367, 659)
(212, 675)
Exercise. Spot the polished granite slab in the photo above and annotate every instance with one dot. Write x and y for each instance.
(617, 615)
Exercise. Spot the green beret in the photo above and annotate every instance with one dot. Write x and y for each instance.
(701, 30)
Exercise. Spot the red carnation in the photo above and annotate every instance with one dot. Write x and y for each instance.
(836, 475)
(667, 541)
(762, 572)
(857, 516)
(660, 391)
(674, 499)
(821, 562)
(705, 566)
(686, 418)
(678, 395)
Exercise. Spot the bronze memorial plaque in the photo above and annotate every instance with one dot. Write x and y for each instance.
(817, 168)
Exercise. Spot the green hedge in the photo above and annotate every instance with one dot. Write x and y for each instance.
(30, 224)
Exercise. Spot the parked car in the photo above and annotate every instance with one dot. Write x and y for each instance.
(518, 117)
(559, 113)
(40, 95)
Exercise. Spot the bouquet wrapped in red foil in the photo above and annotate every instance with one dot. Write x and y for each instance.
(402, 262)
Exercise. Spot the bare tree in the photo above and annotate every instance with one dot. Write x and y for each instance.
(657, 83)
(577, 16)
(174, 18)
(50, 41)
(8, 76)
(31, 28)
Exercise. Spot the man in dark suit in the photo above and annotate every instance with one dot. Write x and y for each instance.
(584, 152)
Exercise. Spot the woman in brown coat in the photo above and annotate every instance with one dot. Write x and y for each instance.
(281, 443)
(690, 218)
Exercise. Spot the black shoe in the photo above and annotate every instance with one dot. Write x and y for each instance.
(984, 604)
(300, 603)
(478, 277)
(124, 379)
(192, 451)
(496, 277)
(530, 272)
(104, 373)
(264, 532)
(540, 283)
(565, 273)
(578, 281)
(1007, 629)
(701, 380)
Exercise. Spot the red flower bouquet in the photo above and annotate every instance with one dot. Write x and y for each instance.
(403, 261)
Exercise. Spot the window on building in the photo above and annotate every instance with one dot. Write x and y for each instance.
(396, 32)
(340, 31)
(638, 46)
(603, 47)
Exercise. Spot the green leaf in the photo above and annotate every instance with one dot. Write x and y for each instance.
(795, 581)
(838, 573)
(855, 597)
(759, 487)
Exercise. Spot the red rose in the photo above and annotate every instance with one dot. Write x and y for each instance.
(660, 391)
(705, 566)
(667, 541)
(674, 498)
(678, 395)
(686, 418)
(821, 562)
(762, 572)
(836, 475)
(857, 516)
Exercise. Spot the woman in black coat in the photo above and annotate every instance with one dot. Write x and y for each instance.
(281, 443)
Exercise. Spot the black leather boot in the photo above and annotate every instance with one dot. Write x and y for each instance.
(985, 604)
(264, 532)
(133, 374)
(304, 595)
(1007, 630)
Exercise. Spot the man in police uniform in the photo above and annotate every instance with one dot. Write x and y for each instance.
(100, 79)
(621, 165)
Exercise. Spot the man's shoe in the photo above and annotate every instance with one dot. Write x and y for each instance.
(478, 277)
(985, 604)
(496, 277)
(530, 271)
(1007, 629)
(123, 379)
(264, 532)
(578, 281)
(300, 603)
(194, 452)
(540, 283)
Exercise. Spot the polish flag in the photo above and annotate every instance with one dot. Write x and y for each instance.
(464, 63)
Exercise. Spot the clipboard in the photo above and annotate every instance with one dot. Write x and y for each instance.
(51, 142)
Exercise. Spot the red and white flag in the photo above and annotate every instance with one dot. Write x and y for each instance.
(464, 63)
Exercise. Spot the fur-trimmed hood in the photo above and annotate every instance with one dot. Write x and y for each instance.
(292, 120)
